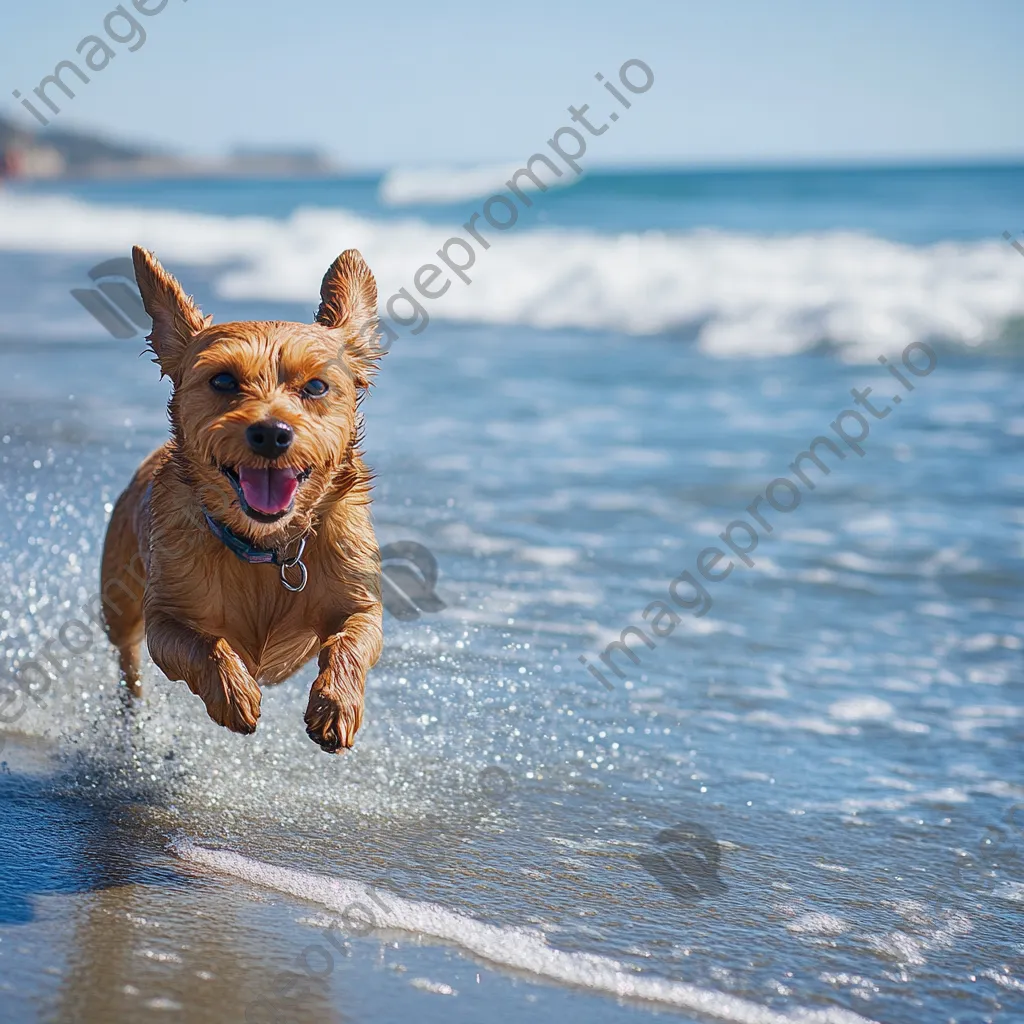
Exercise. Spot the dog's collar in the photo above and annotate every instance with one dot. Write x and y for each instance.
(248, 552)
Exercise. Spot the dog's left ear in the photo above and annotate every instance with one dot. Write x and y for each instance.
(349, 301)
(176, 318)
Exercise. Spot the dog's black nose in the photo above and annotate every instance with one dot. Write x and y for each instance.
(270, 439)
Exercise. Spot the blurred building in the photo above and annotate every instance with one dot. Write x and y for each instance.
(273, 162)
(31, 161)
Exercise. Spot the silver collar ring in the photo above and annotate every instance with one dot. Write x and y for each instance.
(291, 563)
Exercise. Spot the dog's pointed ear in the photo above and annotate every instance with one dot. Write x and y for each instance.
(176, 318)
(348, 301)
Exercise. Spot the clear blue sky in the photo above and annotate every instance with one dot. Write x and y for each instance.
(377, 84)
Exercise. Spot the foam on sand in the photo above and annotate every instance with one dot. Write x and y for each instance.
(740, 295)
(516, 948)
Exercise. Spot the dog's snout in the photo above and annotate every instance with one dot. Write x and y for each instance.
(270, 439)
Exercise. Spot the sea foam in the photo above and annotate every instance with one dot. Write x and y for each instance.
(737, 294)
(518, 949)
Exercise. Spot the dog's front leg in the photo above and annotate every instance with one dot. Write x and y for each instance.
(212, 670)
(335, 709)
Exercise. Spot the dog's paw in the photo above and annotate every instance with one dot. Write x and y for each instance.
(233, 697)
(333, 719)
(238, 711)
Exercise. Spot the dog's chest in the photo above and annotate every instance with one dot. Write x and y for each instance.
(276, 651)
(273, 636)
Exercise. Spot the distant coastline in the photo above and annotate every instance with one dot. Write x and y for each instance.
(58, 153)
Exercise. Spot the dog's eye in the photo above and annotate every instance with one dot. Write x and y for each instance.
(225, 383)
(315, 389)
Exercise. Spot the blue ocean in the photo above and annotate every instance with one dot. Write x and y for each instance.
(719, 710)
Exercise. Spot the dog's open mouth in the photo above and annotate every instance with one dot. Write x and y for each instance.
(266, 494)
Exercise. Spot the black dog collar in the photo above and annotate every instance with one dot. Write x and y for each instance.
(248, 552)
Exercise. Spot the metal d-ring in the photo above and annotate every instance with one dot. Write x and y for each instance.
(290, 563)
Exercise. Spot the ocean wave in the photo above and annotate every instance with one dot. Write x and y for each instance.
(444, 185)
(738, 294)
(518, 949)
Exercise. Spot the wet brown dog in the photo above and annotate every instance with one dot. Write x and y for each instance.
(244, 546)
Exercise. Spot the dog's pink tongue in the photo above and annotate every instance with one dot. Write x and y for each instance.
(268, 490)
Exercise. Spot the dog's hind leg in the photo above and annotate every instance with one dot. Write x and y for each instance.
(123, 581)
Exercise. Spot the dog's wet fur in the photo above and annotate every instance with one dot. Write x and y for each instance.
(224, 626)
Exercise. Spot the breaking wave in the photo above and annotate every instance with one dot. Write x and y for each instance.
(737, 294)
(443, 185)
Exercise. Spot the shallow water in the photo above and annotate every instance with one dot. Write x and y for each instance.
(807, 800)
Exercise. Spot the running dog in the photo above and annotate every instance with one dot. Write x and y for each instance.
(244, 545)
